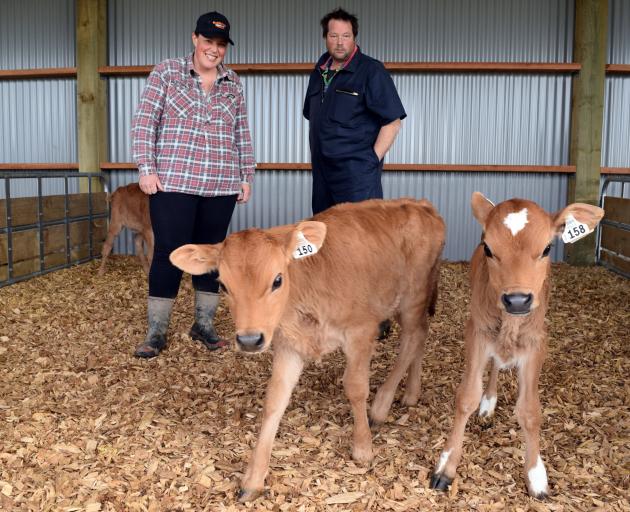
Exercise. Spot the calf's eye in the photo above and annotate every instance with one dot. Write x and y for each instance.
(277, 282)
(487, 250)
(546, 251)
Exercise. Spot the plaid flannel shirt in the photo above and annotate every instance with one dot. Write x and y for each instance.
(196, 143)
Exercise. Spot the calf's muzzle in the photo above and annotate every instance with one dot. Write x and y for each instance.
(253, 342)
(517, 303)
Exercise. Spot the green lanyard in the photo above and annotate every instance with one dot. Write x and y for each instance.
(328, 78)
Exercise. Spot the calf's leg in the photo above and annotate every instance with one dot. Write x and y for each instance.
(138, 243)
(287, 367)
(414, 375)
(115, 226)
(149, 240)
(489, 398)
(529, 418)
(466, 401)
(356, 381)
(414, 328)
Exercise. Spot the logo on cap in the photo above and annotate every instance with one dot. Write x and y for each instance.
(220, 25)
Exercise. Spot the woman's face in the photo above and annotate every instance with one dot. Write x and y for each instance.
(209, 53)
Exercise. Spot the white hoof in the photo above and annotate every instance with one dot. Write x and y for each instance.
(487, 405)
(537, 477)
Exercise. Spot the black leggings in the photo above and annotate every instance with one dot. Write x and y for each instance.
(178, 219)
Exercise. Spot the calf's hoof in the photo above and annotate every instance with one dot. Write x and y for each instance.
(485, 422)
(542, 496)
(374, 424)
(362, 454)
(410, 400)
(440, 482)
(245, 495)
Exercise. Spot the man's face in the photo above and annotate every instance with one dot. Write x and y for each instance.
(209, 53)
(340, 41)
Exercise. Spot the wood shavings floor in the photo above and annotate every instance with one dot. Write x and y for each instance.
(84, 426)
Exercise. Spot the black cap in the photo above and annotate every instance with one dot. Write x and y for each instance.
(214, 24)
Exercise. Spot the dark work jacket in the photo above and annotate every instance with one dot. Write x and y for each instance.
(345, 122)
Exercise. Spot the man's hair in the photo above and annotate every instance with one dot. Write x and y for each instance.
(340, 14)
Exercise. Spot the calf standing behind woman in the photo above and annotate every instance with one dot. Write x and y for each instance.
(130, 208)
(510, 293)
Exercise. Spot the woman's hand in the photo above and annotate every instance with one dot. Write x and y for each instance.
(246, 191)
(150, 184)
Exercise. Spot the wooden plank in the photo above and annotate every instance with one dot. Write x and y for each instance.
(24, 209)
(39, 166)
(419, 67)
(587, 114)
(117, 166)
(617, 209)
(615, 261)
(616, 240)
(29, 266)
(25, 244)
(621, 69)
(615, 170)
(91, 51)
(301, 166)
(23, 74)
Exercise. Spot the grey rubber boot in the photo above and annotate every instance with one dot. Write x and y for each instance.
(158, 317)
(203, 330)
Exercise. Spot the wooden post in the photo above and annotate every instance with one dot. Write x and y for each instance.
(91, 52)
(587, 113)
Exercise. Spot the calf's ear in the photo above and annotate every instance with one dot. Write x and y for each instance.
(196, 259)
(481, 207)
(582, 212)
(307, 232)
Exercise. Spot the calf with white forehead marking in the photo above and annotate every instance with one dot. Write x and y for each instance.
(323, 284)
(509, 274)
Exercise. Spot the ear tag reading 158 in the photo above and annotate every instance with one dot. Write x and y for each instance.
(574, 230)
(304, 247)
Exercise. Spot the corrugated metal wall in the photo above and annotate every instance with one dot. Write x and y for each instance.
(148, 31)
(37, 34)
(38, 120)
(453, 118)
(616, 129)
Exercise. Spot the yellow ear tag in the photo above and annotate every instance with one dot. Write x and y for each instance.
(304, 248)
(574, 230)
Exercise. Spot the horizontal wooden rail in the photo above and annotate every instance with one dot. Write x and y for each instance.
(442, 67)
(301, 166)
(618, 68)
(22, 74)
(39, 166)
(306, 67)
(284, 166)
(615, 170)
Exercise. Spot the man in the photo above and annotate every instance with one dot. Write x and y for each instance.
(354, 113)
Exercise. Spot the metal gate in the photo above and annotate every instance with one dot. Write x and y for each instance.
(64, 223)
(613, 235)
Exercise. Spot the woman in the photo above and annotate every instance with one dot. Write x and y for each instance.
(191, 142)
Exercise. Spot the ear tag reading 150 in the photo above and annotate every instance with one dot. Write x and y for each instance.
(304, 247)
(574, 230)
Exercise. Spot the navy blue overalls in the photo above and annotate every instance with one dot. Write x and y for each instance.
(344, 124)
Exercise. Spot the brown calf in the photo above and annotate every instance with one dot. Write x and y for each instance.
(130, 209)
(324, 284)
(510, 292)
